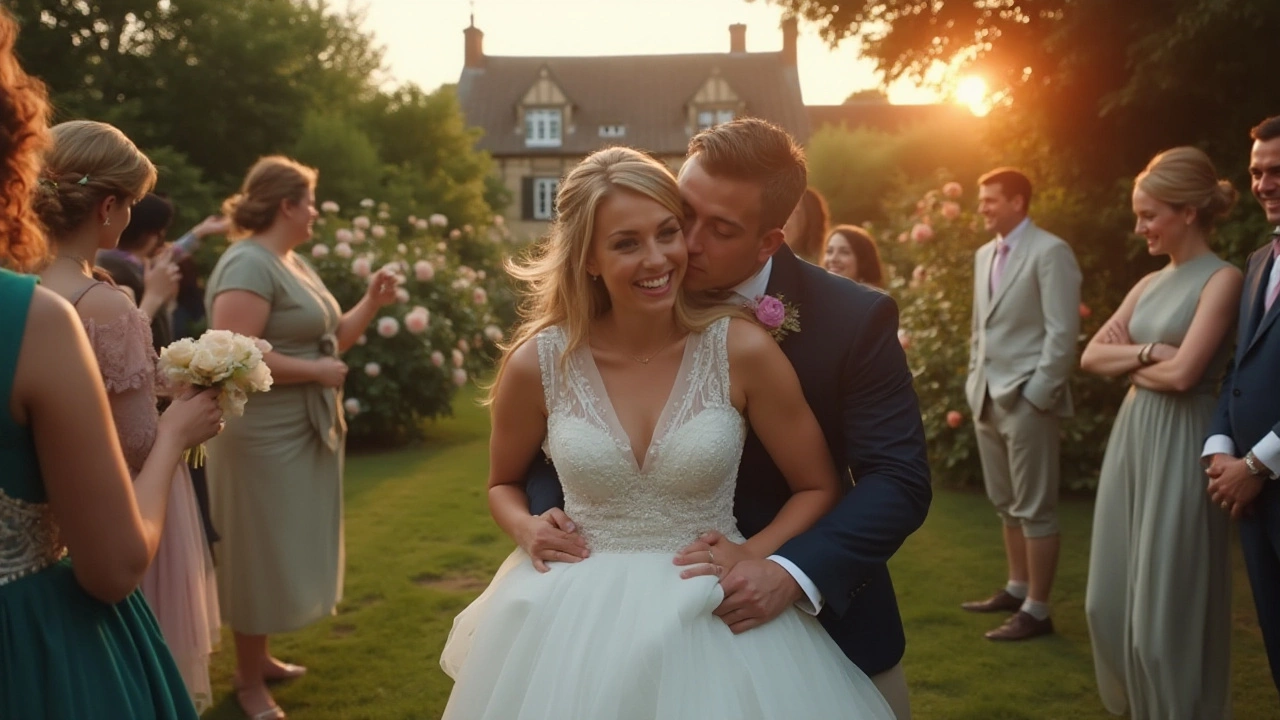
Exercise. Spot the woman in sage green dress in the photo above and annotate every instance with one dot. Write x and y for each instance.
(275, 474)
(1158, 598)
(76, 638)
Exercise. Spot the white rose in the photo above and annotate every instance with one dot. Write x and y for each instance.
(179, 354)
(259, 378)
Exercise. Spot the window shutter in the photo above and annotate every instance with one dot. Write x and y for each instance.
(526, 198)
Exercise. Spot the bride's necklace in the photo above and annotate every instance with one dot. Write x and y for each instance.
(666, 343)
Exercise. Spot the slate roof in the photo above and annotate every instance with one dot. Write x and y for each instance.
(647, 93)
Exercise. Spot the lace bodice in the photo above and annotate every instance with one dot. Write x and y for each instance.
(686, 483)
(127, 361)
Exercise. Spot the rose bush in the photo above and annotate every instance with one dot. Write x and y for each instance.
(452, 290)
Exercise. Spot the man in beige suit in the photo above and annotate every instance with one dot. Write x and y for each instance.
(1026, 316)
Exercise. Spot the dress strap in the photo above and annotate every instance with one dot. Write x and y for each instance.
(15, 303)
(75, 301)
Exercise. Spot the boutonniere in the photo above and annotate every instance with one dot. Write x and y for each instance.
(777, 315)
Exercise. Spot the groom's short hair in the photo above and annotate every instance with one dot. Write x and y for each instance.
(1266, 130)
(757, 151)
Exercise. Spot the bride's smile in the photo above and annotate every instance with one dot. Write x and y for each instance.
(638, 252)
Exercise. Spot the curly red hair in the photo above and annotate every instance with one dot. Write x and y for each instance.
(24, 121)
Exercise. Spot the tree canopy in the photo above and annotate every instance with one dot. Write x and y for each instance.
(1100, 85)
(208, 86)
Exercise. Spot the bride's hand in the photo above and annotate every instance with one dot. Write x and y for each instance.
(711, 554)
(552, 536)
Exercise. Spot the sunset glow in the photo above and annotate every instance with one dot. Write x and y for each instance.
(971, 91)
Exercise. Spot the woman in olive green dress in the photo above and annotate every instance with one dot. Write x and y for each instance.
(275, 474)
(1158, 598)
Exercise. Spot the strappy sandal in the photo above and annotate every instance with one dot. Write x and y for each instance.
(285, 671)
(275, 712)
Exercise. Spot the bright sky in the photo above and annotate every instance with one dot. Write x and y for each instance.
(423, 38)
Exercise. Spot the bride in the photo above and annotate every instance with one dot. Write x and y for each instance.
(641, 396)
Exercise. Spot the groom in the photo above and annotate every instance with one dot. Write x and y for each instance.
(740, 183)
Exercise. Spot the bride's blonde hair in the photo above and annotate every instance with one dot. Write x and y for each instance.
(558, 289)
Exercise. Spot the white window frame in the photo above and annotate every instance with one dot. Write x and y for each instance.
(613, 131)
(544, 198)
(710, 117)
(543, 127)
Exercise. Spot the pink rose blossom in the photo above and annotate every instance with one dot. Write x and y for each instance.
(479, 296)
(402, 295)
(493, 332)
(904, 339)
(416, 320)
(902, 237)
(358, 236)
(363, 339)
(954, 418)
(342, 250)
(770, 311)
(950, 210)
(454, 234)
(919, 274)
(499, 221)
(367, 203)
(441, 246)
(439, 220)
(423, 271)
(463, 345)
(319, 251)
(952, 190)
(383, 215)
(402, 248)
(372, 369)
(437, 358)
(413, 219)
(420, 224)
(329, 206)
(343, 235)
(360, 267)
(921, 233)
(459, 377)
(457, 357)
(467, 228)
(352, 406)
(388, 327)
(378, 231)
(361, 222)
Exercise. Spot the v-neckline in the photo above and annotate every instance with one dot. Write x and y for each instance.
(610, 413)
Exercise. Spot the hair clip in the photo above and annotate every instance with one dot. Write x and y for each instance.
(83, 181)
(48, 182)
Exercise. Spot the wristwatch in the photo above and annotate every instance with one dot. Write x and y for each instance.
(1256, 468)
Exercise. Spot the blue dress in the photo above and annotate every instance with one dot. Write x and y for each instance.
(63, 654)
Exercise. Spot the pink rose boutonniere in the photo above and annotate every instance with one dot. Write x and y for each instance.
(777, 315)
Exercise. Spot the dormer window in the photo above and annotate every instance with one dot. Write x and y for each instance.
(708, 119)
(613, 131)
(543, 127)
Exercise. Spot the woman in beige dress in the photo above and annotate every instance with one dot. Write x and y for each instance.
(275, 474)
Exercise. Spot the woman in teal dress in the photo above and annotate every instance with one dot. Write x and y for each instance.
(1158, 598)
(76, 639)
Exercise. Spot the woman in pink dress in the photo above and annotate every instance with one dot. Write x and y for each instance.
(92, 175)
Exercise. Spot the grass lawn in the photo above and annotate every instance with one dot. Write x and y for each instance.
(420, 545)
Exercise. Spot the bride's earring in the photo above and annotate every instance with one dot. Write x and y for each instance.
(106, 222)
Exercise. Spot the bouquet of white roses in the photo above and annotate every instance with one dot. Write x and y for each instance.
(220, 359)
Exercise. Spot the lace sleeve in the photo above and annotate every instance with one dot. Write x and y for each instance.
(124, 352)
(127, 362)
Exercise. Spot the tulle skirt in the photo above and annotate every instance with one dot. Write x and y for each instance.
(181, 590)
(623, 637)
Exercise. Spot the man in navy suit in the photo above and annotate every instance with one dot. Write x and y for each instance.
(1248, 417)
(740, 183)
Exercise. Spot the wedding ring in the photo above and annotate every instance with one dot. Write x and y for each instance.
(1226, 504)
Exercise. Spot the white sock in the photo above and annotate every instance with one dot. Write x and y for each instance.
(1036, 609)
(1016, 589)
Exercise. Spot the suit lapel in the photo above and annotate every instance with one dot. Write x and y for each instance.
(1012, 266)
(785, 280)
(1257, 290)
(982, 284)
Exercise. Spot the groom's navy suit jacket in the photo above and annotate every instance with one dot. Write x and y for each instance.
(855, 377)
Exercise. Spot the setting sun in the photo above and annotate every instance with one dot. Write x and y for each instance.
(971, 92)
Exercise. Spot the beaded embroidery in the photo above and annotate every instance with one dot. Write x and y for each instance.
(28, 538)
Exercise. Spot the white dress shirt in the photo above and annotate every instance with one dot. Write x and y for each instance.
(750, 289)
(1268, 448)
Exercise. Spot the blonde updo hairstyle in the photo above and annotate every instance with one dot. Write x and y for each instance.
(271, 181)
(86, 162)
(1185, 177)
(558, 289)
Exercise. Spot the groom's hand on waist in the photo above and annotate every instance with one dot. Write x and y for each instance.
(755, 592)
(551, 537)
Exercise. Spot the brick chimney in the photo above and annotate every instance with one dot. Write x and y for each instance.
(790, 30)
(737, 38)
(474, 46)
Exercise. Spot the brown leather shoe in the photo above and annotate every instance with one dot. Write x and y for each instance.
(1002, 601)
(1021, 626)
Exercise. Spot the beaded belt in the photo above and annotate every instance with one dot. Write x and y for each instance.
(28, 538)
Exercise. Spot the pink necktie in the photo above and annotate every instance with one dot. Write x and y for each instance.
(997, 268)
(1275, 291)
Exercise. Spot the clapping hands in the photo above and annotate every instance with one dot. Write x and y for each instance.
(382, 287)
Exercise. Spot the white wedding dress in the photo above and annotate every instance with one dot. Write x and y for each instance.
(620, 636)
